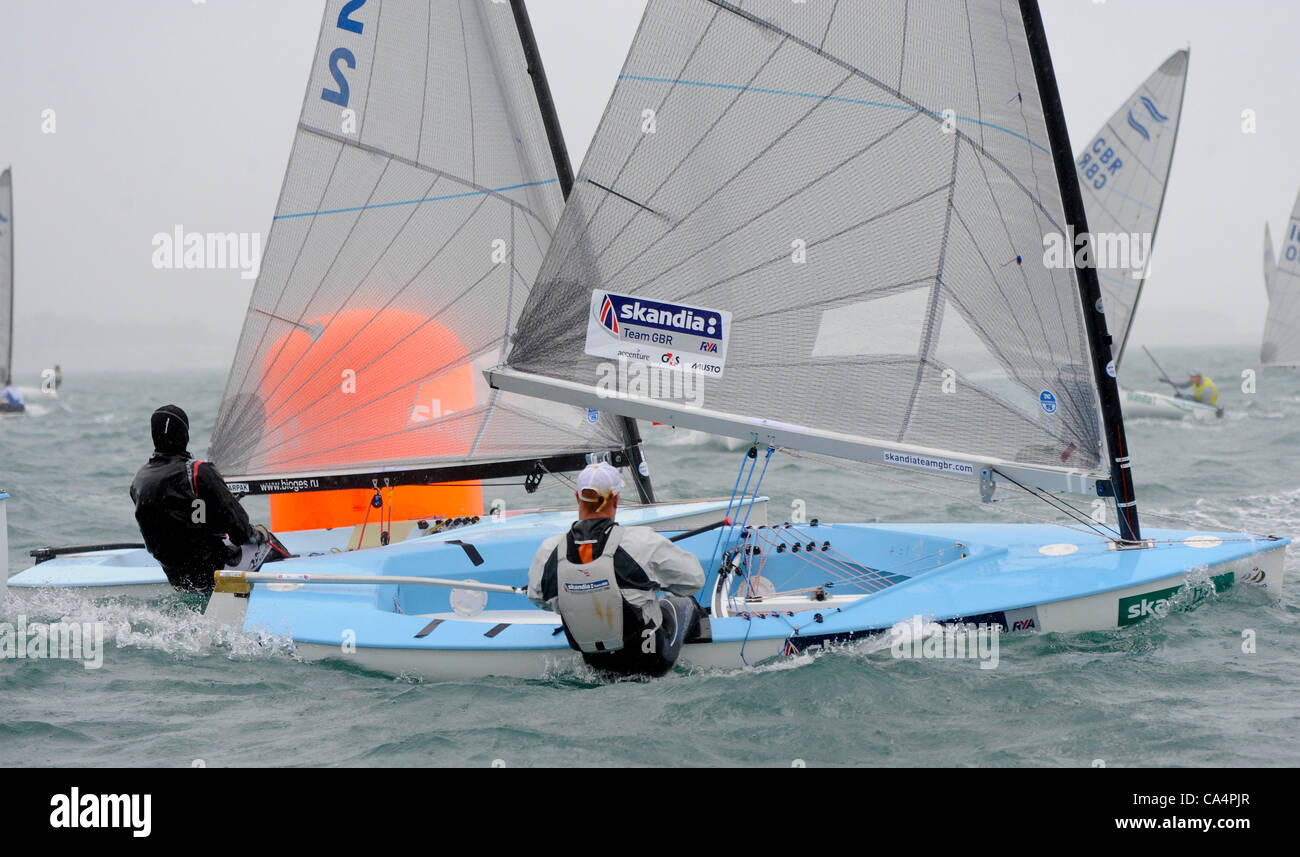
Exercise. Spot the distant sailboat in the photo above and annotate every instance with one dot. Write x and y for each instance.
(11, 399)
(1124, 175)
(1281, 346)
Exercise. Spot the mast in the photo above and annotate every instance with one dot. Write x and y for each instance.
(564, 169)
(1121, 485)
(1132, 315)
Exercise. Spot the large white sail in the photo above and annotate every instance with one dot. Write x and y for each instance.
(1282, 329)
(857, 199)
(6, 275)
(1124, 171)
(420, 199)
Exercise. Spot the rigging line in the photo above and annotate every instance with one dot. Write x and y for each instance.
(878, 474)
(1061, 506)
(730, 502)
(627, 198)
(833, 567)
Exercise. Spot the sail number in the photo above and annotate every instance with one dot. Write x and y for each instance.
(1099, 164)
(1292, 244)
(343, 56)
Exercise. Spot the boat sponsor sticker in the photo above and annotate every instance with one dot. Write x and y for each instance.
(593, 586)
(1135, 608)
(674, 336)
(926, 462)
(1048, 401)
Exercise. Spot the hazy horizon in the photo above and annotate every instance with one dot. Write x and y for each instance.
(179, 113)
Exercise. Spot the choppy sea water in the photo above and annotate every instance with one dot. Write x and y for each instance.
(1173, 692)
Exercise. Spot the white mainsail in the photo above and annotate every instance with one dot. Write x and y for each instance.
(420, 198)
(1282, 329)
(6, 275)
(860, 216)
(1124, 172)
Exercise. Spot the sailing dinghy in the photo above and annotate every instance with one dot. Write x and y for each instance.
(1124, 173)
(7, 291)
(424, 185)
(1281, 346)
(837, 213)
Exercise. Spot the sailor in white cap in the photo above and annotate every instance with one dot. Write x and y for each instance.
(606, 581)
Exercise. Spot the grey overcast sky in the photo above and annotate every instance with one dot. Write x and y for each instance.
(178, 112)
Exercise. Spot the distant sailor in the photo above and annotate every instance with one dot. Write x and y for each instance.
(11, 400)
(58, 377)
(1203, 389)
(190, 521)
(605, 580)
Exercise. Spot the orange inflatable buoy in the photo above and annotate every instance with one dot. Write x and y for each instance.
(355, 398)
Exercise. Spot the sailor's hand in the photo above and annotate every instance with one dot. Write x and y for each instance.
(1166, 381)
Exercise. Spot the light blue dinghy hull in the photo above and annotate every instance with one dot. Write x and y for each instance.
(134, 573)
(1016, 577)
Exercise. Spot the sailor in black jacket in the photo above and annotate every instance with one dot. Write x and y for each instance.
(184, 508)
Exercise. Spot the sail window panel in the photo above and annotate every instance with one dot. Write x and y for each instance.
(888, 325)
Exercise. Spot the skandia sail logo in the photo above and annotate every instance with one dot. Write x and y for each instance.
(609, 316)
(663, 316)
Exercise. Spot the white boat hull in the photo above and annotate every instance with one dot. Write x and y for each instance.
(1143, 405)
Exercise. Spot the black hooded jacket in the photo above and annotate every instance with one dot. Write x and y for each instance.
(183, 507)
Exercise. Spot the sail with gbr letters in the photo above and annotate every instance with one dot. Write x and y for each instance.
(1282, 329)
(1124, 172)
(838, 232)
(420, 199)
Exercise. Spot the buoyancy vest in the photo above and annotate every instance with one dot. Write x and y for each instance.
(590, 598)
(1206, 392)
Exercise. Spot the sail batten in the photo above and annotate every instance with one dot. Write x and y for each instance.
(420, 199)
(865, 191)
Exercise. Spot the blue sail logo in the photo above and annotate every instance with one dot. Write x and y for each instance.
(1155, 114)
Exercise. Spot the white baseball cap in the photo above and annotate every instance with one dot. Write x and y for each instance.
(599, 481)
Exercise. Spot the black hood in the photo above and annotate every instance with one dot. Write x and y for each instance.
(171, 429)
